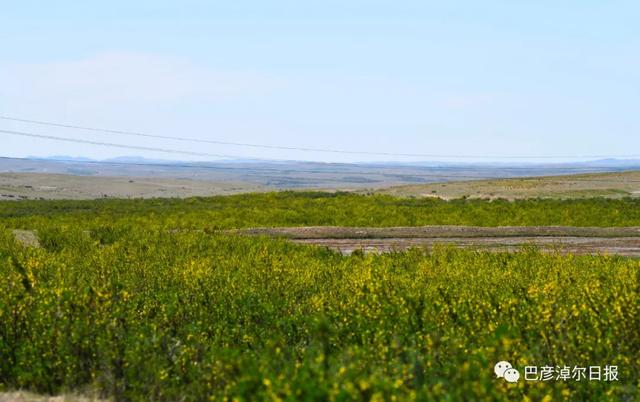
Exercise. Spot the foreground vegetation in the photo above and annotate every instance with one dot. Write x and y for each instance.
(114, 302)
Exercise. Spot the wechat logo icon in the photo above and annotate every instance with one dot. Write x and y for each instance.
(505, 370)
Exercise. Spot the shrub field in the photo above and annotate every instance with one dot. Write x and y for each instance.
(319, 209)
(116, 302)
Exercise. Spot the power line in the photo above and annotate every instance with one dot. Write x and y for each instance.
(203, 154)
(387, 173)
(113, 145)
(305, 149)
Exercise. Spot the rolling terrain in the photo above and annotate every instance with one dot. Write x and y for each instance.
(438, 183)
(156, 287)
(141, 178)
(608, 185)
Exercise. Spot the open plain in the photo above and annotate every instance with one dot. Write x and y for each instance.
(607, 185)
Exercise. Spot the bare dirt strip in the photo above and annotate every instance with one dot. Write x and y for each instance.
(574, 240)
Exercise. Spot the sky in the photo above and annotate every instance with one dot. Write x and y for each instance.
(480, 80)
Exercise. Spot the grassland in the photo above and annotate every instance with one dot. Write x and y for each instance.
(606, 185)
(124, 298)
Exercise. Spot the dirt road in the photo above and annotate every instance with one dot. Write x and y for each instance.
(575, 240)
(624, 246)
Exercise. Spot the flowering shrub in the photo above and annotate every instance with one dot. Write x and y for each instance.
(156, 315)
(315, 209)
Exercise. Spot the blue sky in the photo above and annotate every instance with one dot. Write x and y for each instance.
(460, 77)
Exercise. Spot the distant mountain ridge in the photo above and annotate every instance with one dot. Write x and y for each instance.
(610, 162)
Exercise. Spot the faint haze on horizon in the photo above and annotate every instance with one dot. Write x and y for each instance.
(446, 78)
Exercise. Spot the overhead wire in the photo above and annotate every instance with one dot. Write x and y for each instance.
(299, 148)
